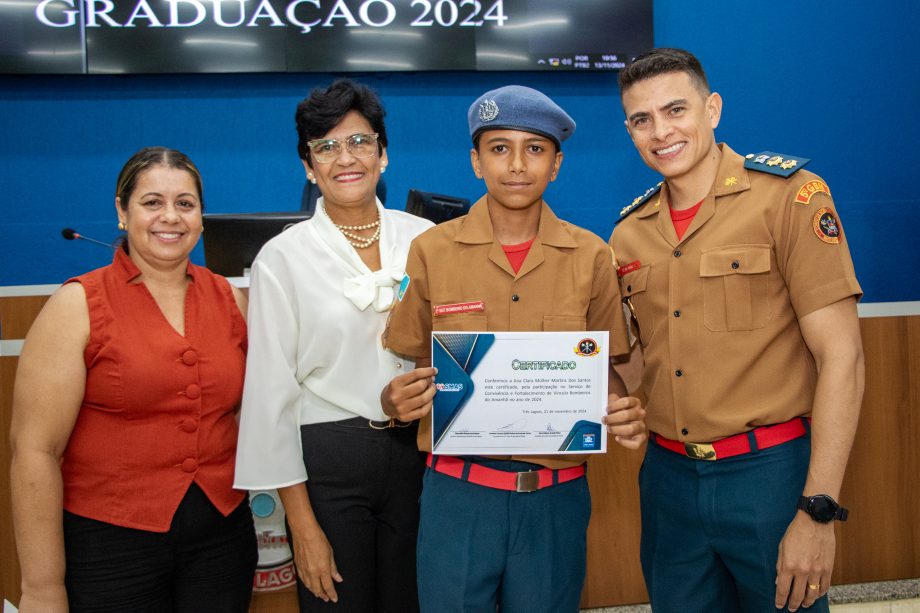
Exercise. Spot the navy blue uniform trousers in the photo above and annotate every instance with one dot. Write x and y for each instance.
(711, 529)
(480, 548)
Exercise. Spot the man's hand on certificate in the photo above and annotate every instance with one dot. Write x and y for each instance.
(625, 420)
(409, 396)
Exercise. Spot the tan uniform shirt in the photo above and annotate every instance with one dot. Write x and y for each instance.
(718, 311)
(567, 282)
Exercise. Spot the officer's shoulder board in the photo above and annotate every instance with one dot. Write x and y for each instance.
(635, 204)
(772, 163)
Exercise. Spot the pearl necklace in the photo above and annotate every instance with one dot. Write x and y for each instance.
(356, 240)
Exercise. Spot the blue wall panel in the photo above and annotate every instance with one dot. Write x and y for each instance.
(819, 80)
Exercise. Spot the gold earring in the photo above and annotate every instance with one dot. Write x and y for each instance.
(121, 226)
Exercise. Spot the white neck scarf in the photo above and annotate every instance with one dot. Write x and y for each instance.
(363, 286)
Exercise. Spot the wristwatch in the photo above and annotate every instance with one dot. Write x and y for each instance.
(822, 508)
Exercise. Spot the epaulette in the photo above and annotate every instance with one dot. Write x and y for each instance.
(640, 200)
(774, 163)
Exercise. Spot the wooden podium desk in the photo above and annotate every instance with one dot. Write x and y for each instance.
(881, 540)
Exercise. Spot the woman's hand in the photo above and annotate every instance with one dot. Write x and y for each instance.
(410, 395)
(315, 563)
(313, 555)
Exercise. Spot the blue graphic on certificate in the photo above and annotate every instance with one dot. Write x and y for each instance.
(520, 393)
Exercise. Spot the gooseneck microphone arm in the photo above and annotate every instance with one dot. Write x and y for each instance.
(71, 234)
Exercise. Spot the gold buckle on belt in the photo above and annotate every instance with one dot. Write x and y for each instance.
(700, 451)
(527, 482)
(392, 423)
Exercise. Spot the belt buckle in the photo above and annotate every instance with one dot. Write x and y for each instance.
(527, 481)
(700, 451)
(392, 423)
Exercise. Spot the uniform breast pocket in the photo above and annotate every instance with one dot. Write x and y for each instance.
(634, 283)
(564, 323)
(735, 282)
(460, 322)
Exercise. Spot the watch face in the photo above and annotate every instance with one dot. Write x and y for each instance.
(822, 508)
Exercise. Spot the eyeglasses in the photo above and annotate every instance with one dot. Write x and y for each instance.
(325, 150)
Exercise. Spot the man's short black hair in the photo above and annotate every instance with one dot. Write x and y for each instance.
(661, 61)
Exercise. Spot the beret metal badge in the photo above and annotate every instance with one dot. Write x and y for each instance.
(488, 110)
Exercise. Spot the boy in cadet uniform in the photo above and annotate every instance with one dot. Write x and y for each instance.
(509, 265)
(743, 292)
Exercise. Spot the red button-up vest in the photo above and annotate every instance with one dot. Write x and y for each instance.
(159, 410)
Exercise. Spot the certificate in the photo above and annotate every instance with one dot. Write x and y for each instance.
(519, 393)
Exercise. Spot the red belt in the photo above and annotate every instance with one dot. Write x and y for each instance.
(766, 436)
(529, 481)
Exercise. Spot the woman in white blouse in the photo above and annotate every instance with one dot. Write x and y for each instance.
(311, 422)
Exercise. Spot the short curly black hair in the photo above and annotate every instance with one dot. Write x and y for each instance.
(324, 108)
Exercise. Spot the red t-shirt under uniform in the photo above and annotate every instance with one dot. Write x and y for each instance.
(683, 219)
(159, 409)
(517, 254)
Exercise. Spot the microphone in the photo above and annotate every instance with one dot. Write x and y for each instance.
(71, 234)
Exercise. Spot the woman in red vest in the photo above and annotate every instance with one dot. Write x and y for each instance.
(124, 420)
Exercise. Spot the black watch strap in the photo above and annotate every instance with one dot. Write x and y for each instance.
(822, 508)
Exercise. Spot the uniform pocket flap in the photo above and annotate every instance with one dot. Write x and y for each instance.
(634, 282)
(735, 260)
(461, 322)
(564, 323)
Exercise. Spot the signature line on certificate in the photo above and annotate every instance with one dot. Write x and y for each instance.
(514, 425)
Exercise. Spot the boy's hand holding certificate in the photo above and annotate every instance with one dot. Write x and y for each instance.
(519, 393)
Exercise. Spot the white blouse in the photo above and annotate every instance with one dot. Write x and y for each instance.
(316, 313)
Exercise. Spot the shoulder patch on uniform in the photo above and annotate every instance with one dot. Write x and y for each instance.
(774, 163)
(805, 193)
(826, 226)
(640, 200)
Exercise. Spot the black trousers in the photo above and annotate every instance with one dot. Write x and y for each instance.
(204, 563)
(364, 485)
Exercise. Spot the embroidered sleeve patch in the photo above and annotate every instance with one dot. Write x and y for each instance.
(826, 226)
(811, 188)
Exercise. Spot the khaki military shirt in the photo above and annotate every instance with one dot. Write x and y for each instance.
(717, 311)
(567, 282)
